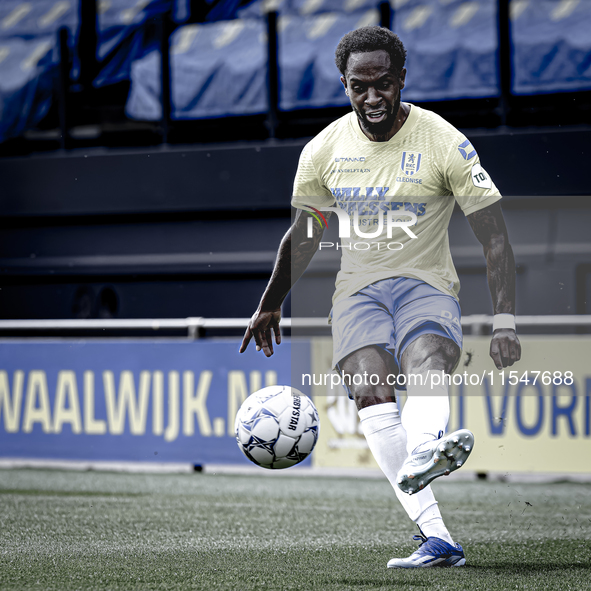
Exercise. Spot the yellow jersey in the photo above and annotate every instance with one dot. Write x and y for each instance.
(398, 196)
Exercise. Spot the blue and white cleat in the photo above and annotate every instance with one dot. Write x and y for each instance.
(440, 459)
(431, 552)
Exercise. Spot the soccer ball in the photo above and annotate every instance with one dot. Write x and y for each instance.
(277, 427)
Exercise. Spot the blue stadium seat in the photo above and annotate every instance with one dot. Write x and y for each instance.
(28, 59)
(308, 75)
(451, 49)
(34, 18)
(552, 45)
(218, 69)
(451, 61)
(124, 37)
(27, 72)
(257, 8)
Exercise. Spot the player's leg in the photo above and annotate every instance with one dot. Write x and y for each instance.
(426, 412)
(428, 345)
(363, 342)
(385, 435)
(425, 362)
(426, 416)
(428, 339)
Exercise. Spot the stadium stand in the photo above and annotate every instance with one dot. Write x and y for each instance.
(219, 65)
(452, 55)
(227, 59)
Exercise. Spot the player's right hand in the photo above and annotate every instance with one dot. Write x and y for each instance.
(260, 326)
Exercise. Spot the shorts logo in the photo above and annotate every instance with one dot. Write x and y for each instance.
(466, 149)
(452, 322)
(411, 162)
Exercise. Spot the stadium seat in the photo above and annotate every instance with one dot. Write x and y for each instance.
(552, 46)
(124, 36)
(27, 72)
(308, 75)
(217, 69)
(257, 8)
(28, 59)
(444, 62)
(451, 49)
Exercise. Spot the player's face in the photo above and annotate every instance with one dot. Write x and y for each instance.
(374, 90)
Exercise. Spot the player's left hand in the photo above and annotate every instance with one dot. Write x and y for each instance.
(505, 348)
(261, 326)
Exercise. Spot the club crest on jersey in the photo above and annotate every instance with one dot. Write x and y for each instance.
(411, 162)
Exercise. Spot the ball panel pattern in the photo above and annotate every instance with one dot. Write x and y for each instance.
(277, 427)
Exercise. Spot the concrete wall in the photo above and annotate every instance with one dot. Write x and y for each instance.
(188, 232)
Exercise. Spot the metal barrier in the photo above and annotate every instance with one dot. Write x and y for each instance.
(477, 323)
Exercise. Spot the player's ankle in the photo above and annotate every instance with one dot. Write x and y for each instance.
(435, 528)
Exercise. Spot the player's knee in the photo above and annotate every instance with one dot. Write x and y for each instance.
(367, 393)
(368, 397)
(431, 352)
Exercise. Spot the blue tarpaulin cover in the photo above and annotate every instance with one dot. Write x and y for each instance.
(29, 57)
(124, 36)
(219, 67)
(29, 60)
(551, 46)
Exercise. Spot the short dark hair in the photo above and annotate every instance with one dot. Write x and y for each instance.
(368, 39)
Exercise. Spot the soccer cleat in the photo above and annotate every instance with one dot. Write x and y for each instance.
(431, 552)
(443, 457)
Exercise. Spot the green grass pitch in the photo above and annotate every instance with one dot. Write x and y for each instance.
(92, 530)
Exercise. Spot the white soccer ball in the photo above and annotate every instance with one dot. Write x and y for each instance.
(277, 427)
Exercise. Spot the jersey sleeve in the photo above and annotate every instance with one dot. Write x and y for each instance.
(470, 184)
(308, 189)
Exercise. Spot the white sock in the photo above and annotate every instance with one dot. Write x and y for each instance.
(431, 523)
(386, 439)
(426, 412)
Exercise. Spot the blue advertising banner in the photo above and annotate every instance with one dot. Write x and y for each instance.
(132, 400)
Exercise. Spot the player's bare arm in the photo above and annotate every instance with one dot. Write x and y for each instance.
(293, 257)
(489, 227)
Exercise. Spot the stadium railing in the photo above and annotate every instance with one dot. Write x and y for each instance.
(478, 323)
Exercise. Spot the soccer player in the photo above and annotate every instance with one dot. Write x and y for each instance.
(396, 170)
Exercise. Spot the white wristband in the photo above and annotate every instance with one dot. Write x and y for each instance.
(503, 321)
